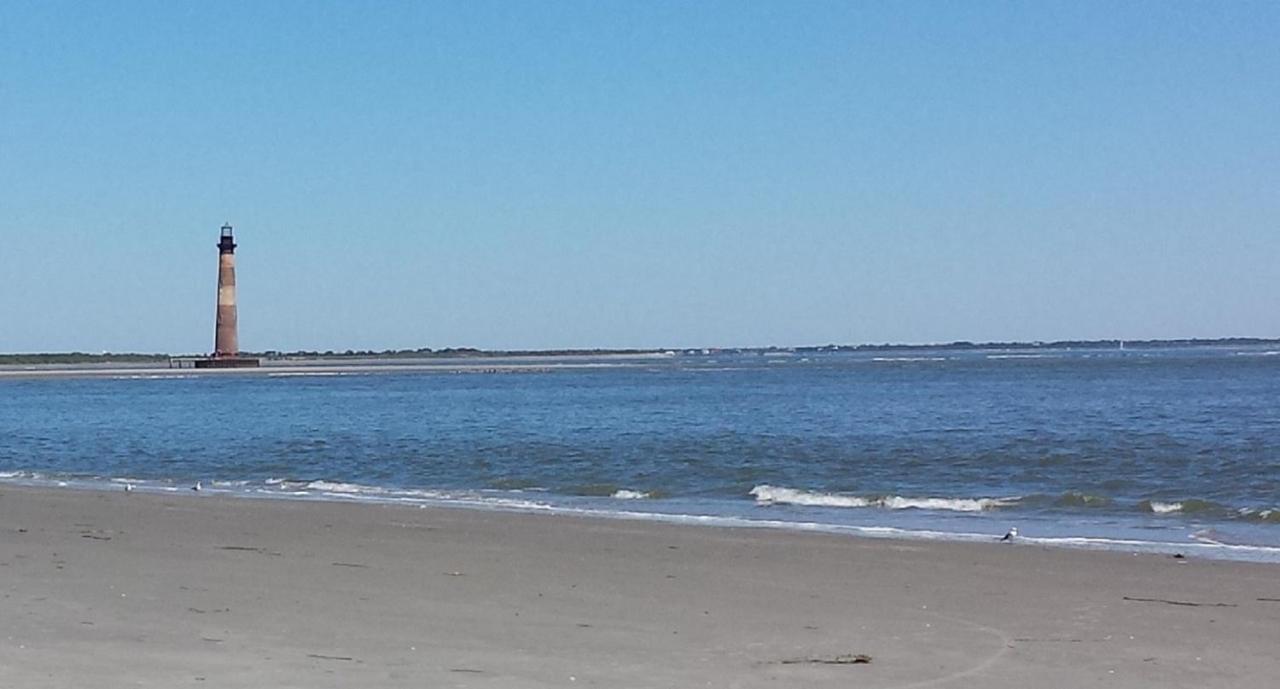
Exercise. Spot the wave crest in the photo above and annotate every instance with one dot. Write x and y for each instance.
(340, 487)
(776, 495)
(1180, 507)
(1078, 499)
(1270, 515)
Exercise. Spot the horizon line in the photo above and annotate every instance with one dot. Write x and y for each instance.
(463, 350)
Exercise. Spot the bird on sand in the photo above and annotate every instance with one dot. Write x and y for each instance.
(196, 487)
(1013, 533)
(128, 487)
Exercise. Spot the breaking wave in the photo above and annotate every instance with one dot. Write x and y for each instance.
(1270, 515)
(1078, 499)
(775, 495)
(625, 494)
(1181, 507)
(340, 487)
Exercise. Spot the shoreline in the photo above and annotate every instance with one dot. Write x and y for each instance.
(924, 527)
(304, 593)
(320, 366)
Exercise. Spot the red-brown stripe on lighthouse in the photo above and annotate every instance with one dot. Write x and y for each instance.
(226, 340)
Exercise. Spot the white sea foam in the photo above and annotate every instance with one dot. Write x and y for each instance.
(1208, 536)
(1259, 513)
(625, 494)
(775, 495)
(954, 504)
(339, 487)
(909, 358)
(154, 376)
(364, 493)
(1165, 507)
(311, 374)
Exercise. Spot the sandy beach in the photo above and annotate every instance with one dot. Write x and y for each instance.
(127, 589)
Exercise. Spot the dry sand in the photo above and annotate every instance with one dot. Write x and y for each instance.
(126, 589)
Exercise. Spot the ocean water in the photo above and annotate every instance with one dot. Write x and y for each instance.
(1167, 450)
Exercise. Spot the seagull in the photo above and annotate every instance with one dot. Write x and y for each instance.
(196, 487)
(1013, 533)
(128, 487)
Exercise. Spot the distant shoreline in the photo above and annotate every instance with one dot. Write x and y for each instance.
(80, 358)
(313, 367)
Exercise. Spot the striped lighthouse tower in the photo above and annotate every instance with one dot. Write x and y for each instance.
(226, 337)
(226, 340)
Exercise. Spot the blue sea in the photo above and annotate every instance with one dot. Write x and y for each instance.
(1163, 450)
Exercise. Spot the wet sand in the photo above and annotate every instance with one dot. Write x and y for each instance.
(127, 589)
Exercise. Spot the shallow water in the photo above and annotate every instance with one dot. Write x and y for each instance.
(1179, 448)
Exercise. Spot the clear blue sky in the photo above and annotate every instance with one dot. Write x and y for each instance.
(595, 174)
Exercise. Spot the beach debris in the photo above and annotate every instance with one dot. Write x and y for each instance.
(1269, 600)
(468, 670)
(249, 549)
(1013, 533)
(842, 659)
(1058, 640)
(350, 564)
(1188, 604)
(319, 656)
(455, 574)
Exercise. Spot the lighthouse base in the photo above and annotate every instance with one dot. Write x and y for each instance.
(228, 362)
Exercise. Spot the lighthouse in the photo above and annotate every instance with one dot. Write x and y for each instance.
(226, 337)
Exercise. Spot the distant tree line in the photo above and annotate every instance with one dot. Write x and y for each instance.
(429, 353)
(80, 358)
(1056, 344)
(65, 358)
